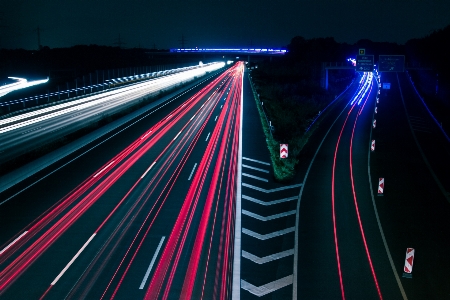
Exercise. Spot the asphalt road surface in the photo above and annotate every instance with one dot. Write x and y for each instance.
(24, 132)
(152, 219)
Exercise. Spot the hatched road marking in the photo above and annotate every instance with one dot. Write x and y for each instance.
(268, 287)
(268, 258)
(267, 236)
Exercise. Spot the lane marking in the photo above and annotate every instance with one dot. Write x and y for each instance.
(258, 161)
(253, 168)
(192, 172)
(268, 218)
(268, 287)
(145, 173)
(272, 190)
(236, 285)
(72, 260)
(152, 262)
(207, 136)
(267, 236)
(268, 258)
(177, 135)
(216, 118)
(192, 117)
(13, 242)
(269, 202)
(103, 169)
(255, 177)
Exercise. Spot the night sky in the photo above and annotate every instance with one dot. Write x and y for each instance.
(214, 23)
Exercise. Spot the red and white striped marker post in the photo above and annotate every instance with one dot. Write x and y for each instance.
(380, 186)
(409, 259)
(283, 150)
(375, 109)
(372, 147)
(374, 123)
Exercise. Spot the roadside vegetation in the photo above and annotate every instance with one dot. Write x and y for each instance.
(289, 94)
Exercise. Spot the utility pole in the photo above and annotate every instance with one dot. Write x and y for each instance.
(183, 42)
(119, 42)
(38, 31)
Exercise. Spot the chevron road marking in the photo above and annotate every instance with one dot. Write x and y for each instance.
(269, 235)
(268, 287)
(258, 161)
(268, 218)
(272, 190)
(268, 258)
(269, 202)
(255, 177)
(257, 169)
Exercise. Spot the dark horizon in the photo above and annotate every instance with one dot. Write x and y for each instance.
(212, 24)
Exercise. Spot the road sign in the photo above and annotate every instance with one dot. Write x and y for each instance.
(364, 63)
(409, 259)
(380, 186)
(386, 85)
(283, 150)
(391, 63)
(372, 147)
(362, 51)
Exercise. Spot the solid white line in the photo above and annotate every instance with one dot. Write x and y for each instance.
(272, 190)
(255, 177)
(13, 242)
(294, 287)
(236, 288)
(269, 202)
(72, 260)
(151, 263)
(103, 169)
(268, 218)
(148, 169)
(216, 118)
(207, 136)
(268, 287)
(268, 258)
(268, 235)
(257, 169)
(192, 172)
(258, 161)
(176, 136)
(192, 118)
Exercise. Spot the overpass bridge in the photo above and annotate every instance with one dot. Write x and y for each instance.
(222, 53)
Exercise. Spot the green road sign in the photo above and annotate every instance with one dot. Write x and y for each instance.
(391, 63)
(364, 63)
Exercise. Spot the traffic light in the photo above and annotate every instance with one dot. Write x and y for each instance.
(362, 51)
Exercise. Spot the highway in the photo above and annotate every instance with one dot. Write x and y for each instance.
(352, 242)
(340, 246)
(24, 132)
(147, 214)
(171, 208)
